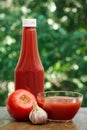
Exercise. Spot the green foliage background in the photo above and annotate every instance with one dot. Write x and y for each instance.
(62, 42)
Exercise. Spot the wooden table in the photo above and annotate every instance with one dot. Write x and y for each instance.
(78, 123)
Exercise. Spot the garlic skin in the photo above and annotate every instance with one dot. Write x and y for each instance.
(38, 115)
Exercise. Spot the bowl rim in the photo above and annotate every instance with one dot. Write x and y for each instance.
(72, 92)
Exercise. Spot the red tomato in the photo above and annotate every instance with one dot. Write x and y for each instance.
(20, 103)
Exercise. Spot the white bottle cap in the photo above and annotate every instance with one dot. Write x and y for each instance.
(29, 22)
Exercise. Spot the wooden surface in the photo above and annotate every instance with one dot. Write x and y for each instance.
(78, 123)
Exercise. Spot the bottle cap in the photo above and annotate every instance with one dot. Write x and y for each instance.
(29, 22)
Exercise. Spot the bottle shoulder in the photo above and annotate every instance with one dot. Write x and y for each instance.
(29, 67)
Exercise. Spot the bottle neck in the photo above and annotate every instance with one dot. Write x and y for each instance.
(29, 41)
(29, 50)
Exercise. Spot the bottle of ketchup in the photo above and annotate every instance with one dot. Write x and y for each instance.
(29, 72)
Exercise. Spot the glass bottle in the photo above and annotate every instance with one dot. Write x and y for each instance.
(29, 72)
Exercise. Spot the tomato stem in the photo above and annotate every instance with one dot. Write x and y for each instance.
(24, 98)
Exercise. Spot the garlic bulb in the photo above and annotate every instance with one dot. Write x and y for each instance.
(38, 115)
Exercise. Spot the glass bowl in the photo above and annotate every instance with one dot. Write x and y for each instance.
(60, 105)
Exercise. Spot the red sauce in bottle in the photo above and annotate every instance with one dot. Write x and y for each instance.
(29, 72)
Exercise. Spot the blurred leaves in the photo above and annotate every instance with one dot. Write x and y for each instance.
(62, 41)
